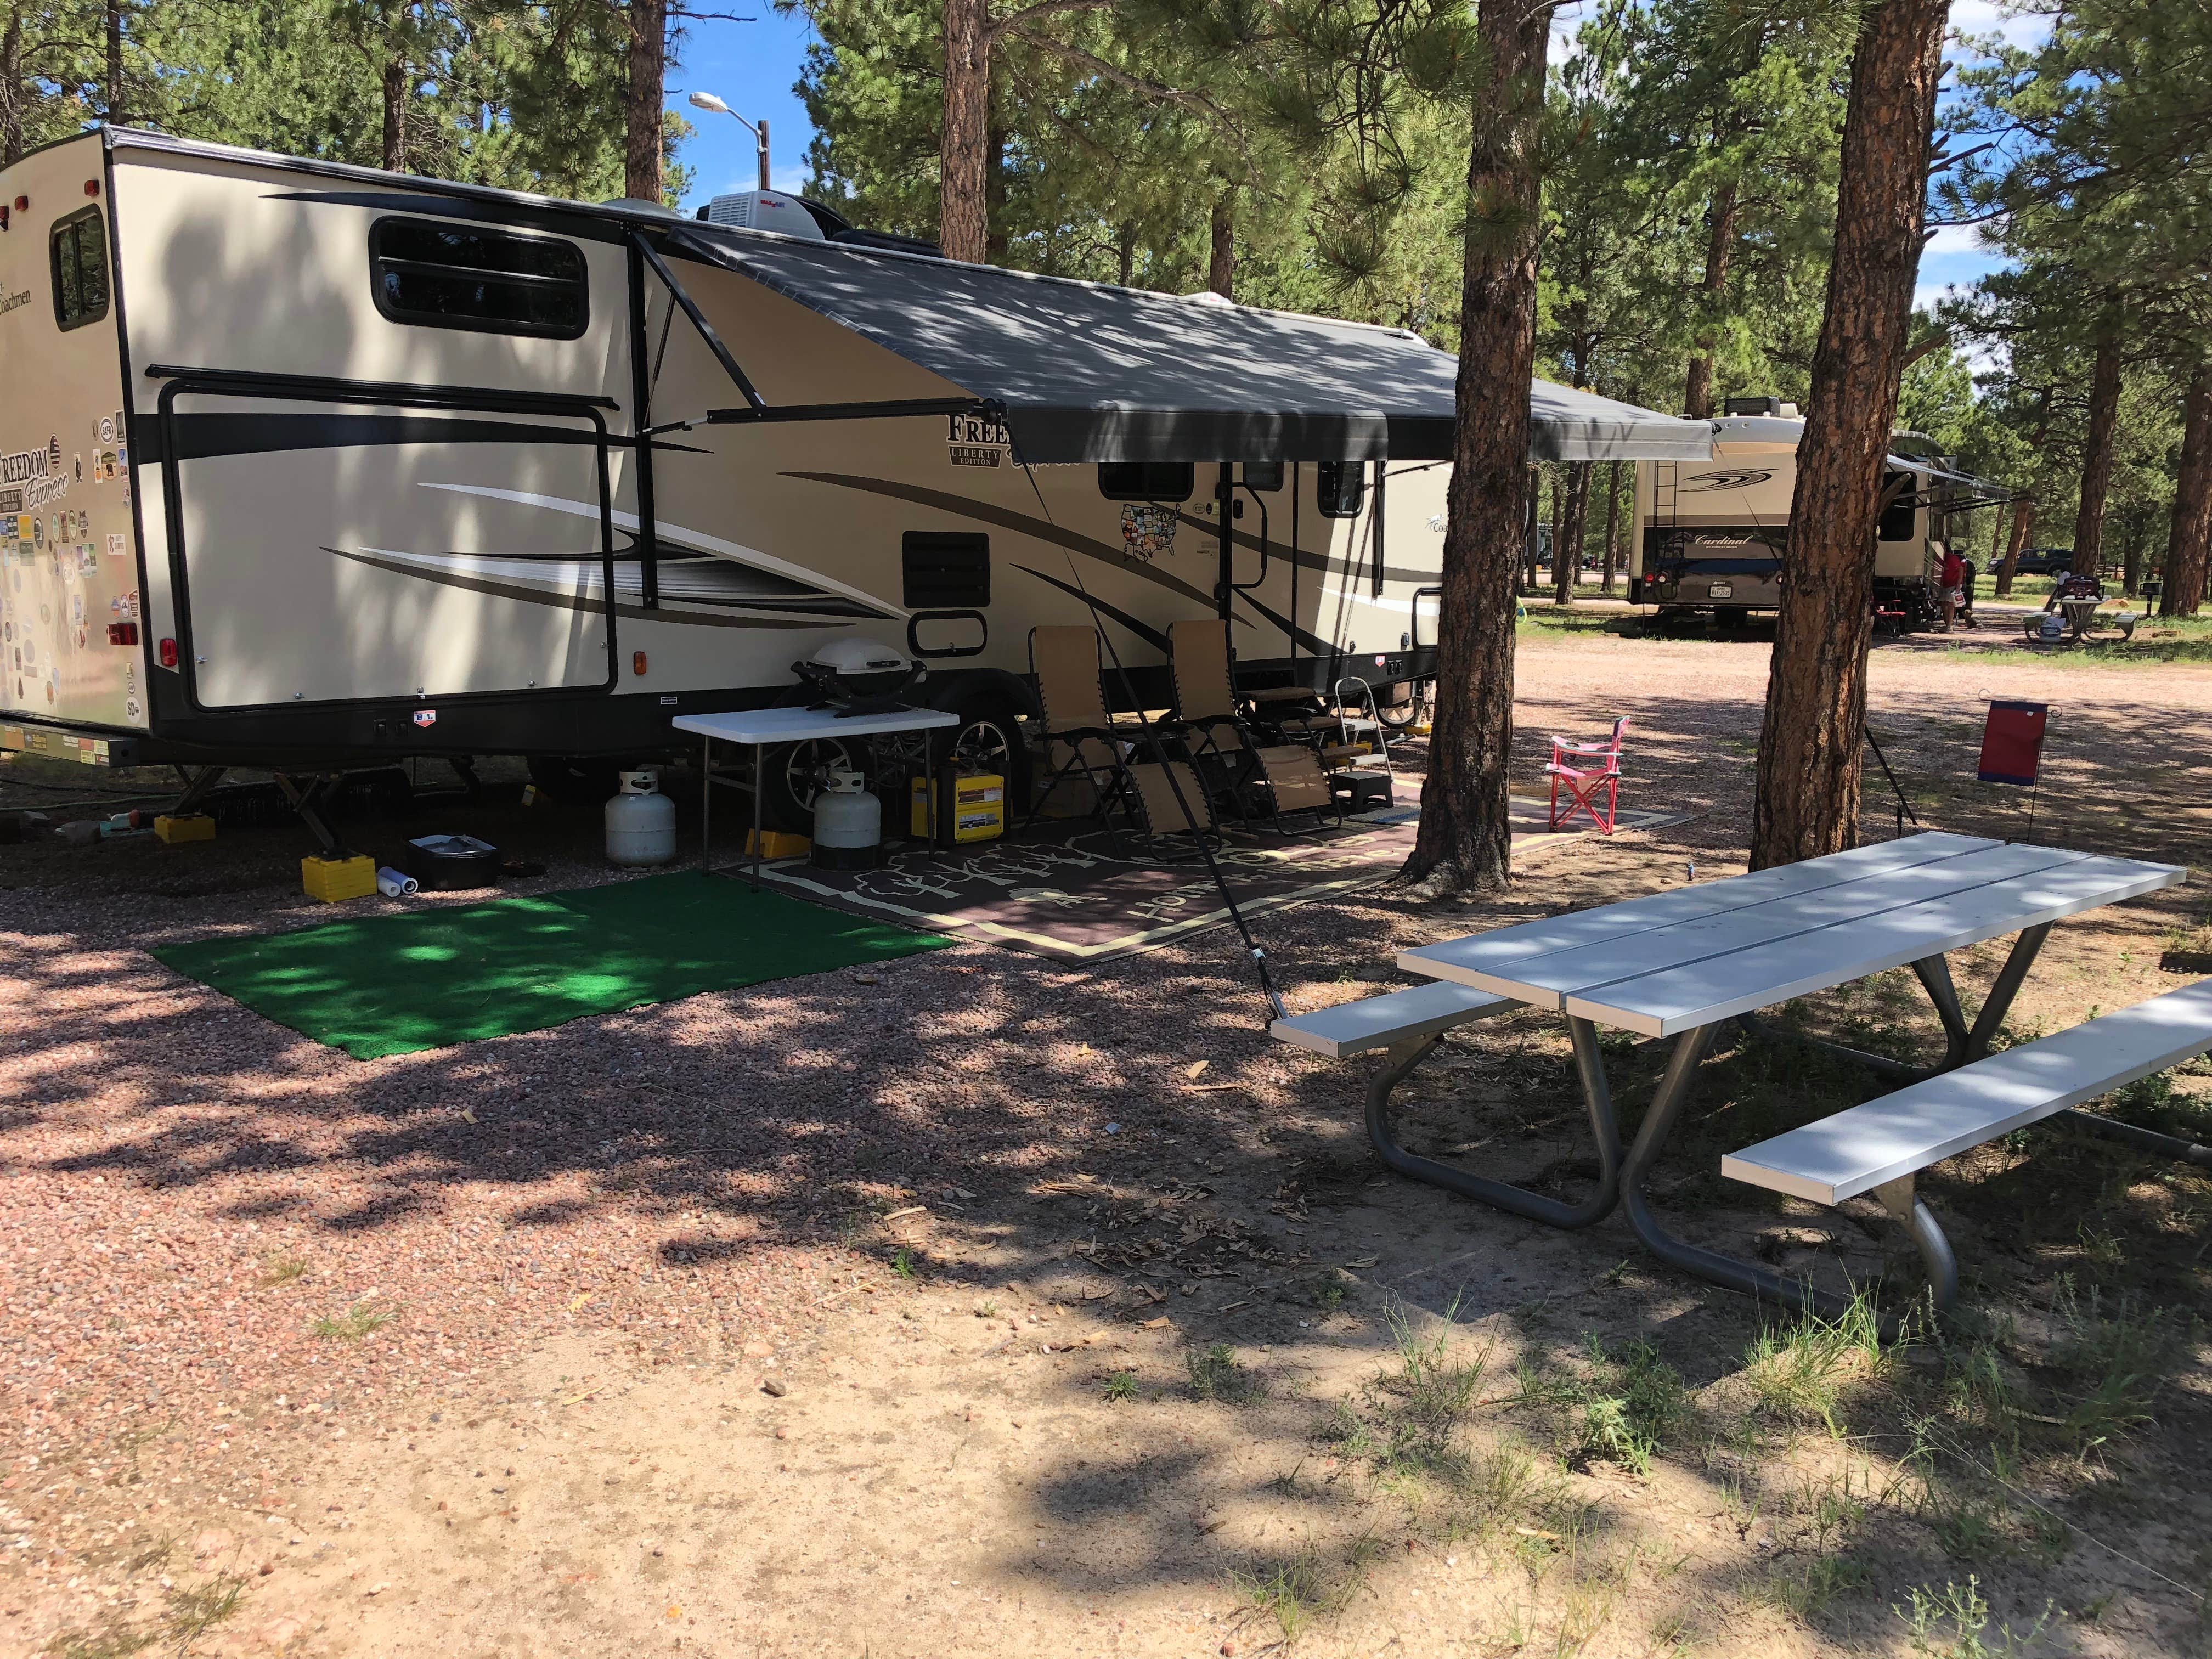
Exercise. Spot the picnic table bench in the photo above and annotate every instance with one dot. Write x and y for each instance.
(1686, 962)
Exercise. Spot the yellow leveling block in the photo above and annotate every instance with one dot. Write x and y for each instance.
(335, 880)
(778, 844)
(192, 826)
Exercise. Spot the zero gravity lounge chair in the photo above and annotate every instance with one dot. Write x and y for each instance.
(1081, 741)
(1272, 778)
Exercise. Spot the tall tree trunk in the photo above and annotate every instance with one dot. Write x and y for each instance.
(1125, 249)
(2023, 526)
(118, 96)
(2189, 542)
(2131, 552)
(395, 116)
(11, 87)
(1808, 802)
(1465, 838)
(2097, 449)
(1612, 524)
(963, 231)
(647, 91)
(1567, 546)
(1997, 535)
(1720, 251)
(1221, 250)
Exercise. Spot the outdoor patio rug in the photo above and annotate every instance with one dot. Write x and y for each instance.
(395, 984)
(1097, 895)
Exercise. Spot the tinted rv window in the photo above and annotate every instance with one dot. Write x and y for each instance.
(1146, 481)
(446, 276)
(1263, 475)
(1341, 487)
(1896, 517)
(80, 257)
(946, 570)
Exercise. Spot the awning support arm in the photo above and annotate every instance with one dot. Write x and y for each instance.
(698, 321)
(884, 409)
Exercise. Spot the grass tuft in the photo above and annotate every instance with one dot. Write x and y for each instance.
(355, 1324)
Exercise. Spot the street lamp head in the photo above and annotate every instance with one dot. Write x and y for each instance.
(708, 101)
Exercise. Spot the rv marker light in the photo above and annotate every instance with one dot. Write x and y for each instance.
(637, 662)
(92, 187)
(168, 653)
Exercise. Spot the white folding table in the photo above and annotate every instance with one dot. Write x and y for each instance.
(762, 727)
(1684, 963)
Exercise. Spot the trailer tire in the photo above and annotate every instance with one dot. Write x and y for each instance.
(576, 780)
(989, 740)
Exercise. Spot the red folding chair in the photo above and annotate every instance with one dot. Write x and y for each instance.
(1583, 782)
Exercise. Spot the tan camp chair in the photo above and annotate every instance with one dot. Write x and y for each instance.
(1275, 778)
(1158, 811)
(1079, 739)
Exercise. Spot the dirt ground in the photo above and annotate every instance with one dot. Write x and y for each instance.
(968, 1303)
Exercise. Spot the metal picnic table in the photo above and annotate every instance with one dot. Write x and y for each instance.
(1683, 963)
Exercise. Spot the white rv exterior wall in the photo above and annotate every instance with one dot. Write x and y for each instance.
(69, 568)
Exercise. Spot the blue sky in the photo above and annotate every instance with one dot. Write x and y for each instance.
(753, 65)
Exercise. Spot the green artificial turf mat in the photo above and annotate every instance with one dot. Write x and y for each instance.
(397, 984)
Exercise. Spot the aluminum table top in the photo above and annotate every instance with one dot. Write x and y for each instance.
(1670, 961)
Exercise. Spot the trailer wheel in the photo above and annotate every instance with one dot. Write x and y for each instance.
(575, 780)
(794, 774)
(1397, 716)
(989, 740)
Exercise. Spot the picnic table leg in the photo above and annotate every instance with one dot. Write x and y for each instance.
(1400, 1062)
(1761, 1283)
(1962, 1045)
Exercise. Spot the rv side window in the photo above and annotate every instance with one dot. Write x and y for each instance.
(80, 259)
(1263, 475)
(1896, 517)
(437, 275)
(1146, 481)
(946, 570)
(1341, 487)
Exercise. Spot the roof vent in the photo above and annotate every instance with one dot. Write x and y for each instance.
(764, 209)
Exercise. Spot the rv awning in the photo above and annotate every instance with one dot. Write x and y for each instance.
(1092, 372)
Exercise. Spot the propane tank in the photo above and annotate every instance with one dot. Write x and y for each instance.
(848, 824)
(641, 821)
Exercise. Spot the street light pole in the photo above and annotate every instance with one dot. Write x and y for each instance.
(707, 100)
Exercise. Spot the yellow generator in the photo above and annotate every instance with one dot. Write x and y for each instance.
(975, 808)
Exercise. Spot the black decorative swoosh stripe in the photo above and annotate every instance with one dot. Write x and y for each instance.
(1042, 529)
(1149, 635)
(564, 602)
(1306, 560)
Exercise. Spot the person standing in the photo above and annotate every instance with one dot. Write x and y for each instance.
(1954, 572)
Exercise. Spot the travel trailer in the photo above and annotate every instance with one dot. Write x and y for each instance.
(305, 465)
(1713, 537)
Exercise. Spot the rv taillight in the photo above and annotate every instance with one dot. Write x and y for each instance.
(168, 653)
(637, 662)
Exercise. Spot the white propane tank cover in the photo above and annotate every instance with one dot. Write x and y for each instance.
(765, 209)
(640, 783)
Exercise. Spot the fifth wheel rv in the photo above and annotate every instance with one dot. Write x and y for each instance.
(309, 465)
(1713, 536)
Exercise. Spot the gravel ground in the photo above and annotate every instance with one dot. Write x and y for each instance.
(231, 1248)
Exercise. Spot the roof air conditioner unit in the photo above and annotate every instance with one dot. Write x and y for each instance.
(1751, 405)
(764, 209)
